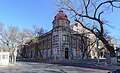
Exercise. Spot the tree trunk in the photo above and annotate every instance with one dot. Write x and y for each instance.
(107, 45)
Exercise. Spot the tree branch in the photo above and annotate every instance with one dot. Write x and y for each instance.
(91, 43)
(85, 26)
(101, 4)
(100, 15)
(86, 6)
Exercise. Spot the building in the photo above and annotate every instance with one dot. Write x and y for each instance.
(63, 42)
(4, 58)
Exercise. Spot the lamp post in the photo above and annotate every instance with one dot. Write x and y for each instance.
(97, 49)
(97, 43)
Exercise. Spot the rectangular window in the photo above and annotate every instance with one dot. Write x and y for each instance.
(60, 22)
(5, 57)
(57, 51)
(63, 37)
(55, 38)
(67, 38)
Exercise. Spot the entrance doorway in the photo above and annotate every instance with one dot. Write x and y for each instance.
(66, 53)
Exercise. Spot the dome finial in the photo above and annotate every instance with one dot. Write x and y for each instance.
(61, 15)
(60, 10)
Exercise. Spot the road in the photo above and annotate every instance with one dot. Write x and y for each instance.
(32, 67)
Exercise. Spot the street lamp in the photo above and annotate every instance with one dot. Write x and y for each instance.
(97, 49)
(97, 43)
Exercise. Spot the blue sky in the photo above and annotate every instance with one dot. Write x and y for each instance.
(25, 13)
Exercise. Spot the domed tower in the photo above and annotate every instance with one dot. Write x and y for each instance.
(61, 37)
(61, 20)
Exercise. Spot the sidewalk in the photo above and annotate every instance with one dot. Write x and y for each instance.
(109, 67)
(88, 64)
(9, 65)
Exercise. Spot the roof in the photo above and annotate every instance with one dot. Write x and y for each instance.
(61, 15)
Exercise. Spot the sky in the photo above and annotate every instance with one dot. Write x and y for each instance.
(25, 13)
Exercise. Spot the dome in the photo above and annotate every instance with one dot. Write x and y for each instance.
(60, 15)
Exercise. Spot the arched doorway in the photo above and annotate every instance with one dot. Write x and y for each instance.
(66, 53)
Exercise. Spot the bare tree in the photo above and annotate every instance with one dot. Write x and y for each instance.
(33, 35)
(22, 38)
(36, 32)
(9, 37)
(1, 27)
(90, 14)
(29, 33)
(92, 44)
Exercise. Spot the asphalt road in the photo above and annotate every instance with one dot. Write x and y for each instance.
(32, 67)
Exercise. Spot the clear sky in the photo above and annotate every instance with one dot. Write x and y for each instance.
(25, 13)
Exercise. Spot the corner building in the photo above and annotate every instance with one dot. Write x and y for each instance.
(60, 44)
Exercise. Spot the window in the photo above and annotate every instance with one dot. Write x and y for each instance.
(55, 38)
(66, 24)
(67, 38)
(5, 57)
(57, 51)
(60, 22)
(76, 24)
(63, 37)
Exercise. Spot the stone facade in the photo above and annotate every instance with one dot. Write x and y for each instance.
(59, 44)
